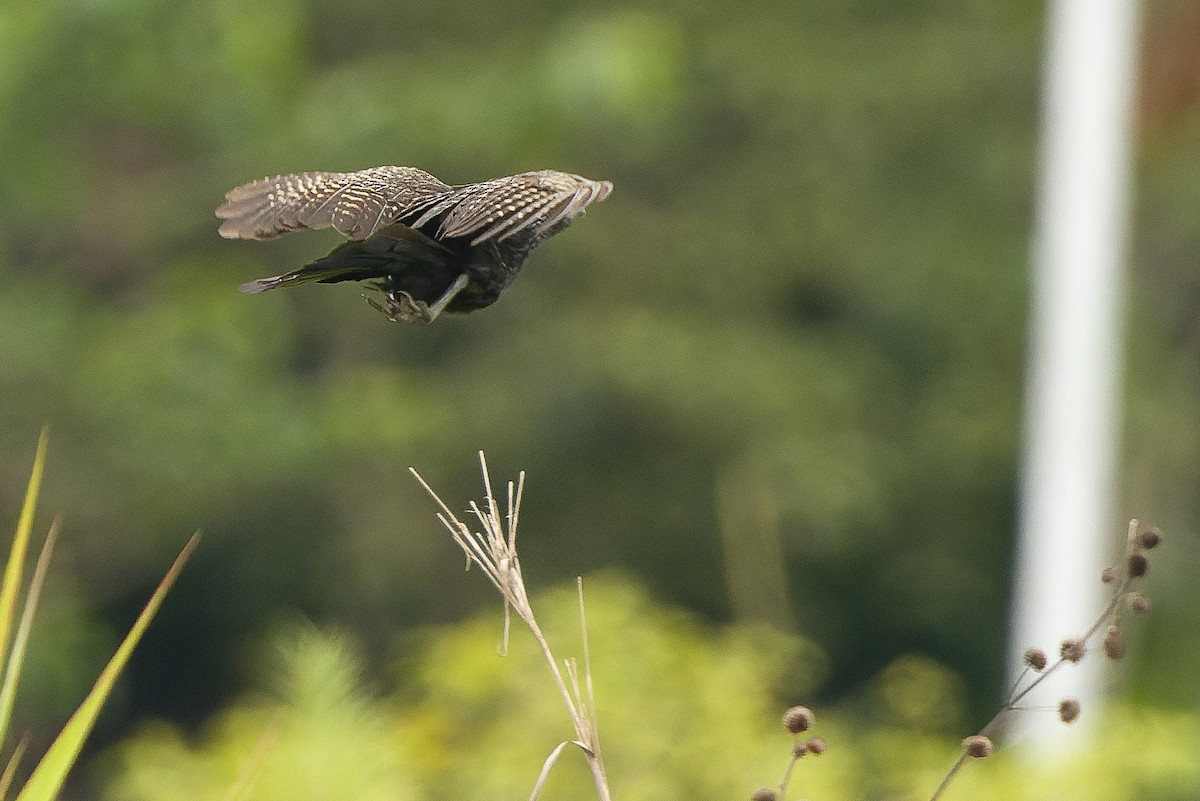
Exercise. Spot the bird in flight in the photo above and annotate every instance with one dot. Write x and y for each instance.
(428, 247)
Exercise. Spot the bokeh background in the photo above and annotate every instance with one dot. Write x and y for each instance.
(772, 384)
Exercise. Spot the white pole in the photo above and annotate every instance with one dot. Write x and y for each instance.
(1073, 379)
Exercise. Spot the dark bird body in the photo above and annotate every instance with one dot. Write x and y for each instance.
(427, 246)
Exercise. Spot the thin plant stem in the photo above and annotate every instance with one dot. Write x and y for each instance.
(1019, 693)
(494, 550)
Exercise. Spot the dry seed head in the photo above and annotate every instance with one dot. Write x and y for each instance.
(1108, 575)
(1138, 602)
(798, 719)
(1068, 710)
(1137, 565)
(1114, 643)
(1036, 659)
(977, 746)
(1150, 538)
(1072, 650)
(816, 746)
(765, 794)
(799, 750)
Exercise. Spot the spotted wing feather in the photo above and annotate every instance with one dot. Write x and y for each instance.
(356, 204)
(531, 202)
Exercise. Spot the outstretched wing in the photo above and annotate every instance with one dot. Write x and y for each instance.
(357, 204)
(538, 203)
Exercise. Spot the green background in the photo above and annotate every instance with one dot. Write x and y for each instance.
(775, 378)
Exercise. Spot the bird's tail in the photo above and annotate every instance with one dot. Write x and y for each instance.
(262, 284)
(394, 249)
(301, 276)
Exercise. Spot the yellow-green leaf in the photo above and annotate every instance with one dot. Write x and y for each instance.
(11, 586)
(48, 776)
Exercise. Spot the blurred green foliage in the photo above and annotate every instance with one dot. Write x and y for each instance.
(686, 710)
(808, 288)
(19, 602)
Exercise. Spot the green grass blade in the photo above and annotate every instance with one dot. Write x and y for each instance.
(48, 777)
(16, 660)
(11, 586)
(10, 769)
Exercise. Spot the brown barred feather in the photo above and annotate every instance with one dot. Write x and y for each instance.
(417, 234)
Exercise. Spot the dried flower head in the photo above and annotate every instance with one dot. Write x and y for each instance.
(1036, 659)
(798, 719)
(1072, 650)
(1108, 575)
(1137, 564)
(816, 746)
(1114, 643)
(1138, 602)
(1150, 537)
(977, 746)
(765, 794)
(1068, 710)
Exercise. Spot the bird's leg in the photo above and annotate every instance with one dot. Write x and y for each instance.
(401, 307)
(459, 285)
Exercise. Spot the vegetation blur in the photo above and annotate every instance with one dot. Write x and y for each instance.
(766, 394)
(45, 781)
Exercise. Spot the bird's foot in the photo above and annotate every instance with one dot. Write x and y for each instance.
(401, 307)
